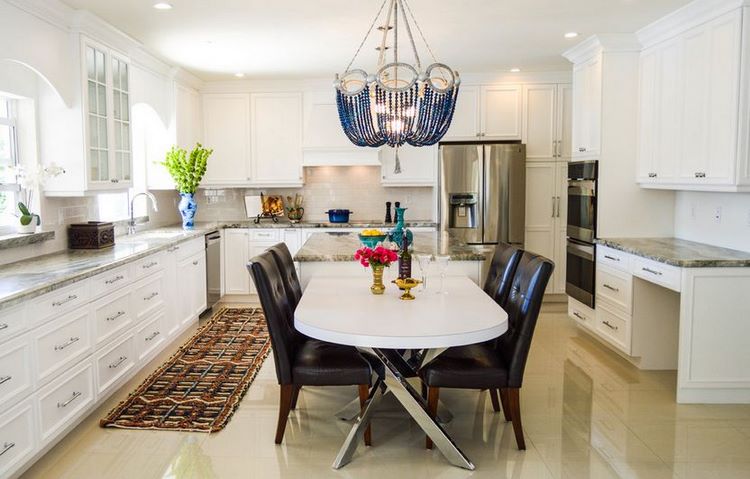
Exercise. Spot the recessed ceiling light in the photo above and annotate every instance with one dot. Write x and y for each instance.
(163, 6)
(239, 75)
(571, 34)
(515, 70)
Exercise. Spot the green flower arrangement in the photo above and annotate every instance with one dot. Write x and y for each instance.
(187, 171)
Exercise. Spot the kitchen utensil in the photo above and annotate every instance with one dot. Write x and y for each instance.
(339, 216)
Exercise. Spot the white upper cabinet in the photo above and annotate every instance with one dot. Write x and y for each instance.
(106, 133)
(276, 139)
(587, 108)
(547, 121)
(501, 112)
(693, 100)
(226, 129)
(491, 112)
(324, 142)
(466, 123)
(418, 165)
(187, 116)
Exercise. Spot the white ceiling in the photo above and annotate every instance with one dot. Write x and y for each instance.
(306, 38)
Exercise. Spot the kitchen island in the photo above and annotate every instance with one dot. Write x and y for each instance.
(332, 254)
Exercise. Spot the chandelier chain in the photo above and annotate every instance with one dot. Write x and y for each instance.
(419, 29)
(411, 38)
(369, 30)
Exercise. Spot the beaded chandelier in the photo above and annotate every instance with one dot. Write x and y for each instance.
(401, 103)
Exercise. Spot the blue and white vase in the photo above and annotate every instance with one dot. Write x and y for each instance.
(187, 206)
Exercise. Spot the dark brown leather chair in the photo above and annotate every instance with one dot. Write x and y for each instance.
(499, 366)
(299, 360)
(503, 268)
(285, 262)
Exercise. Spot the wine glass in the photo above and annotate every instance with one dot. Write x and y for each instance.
(424, 261)
(442, 266)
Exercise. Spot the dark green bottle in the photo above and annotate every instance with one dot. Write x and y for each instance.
(404, 258)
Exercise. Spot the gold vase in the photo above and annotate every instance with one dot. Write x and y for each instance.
(377, 280)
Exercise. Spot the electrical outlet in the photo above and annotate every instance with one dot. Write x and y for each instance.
(748, 217)
(692, 211)
(717, 215)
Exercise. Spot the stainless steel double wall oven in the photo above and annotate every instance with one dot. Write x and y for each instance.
(581, 251)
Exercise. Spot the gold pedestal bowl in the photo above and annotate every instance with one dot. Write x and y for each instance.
(406, 285)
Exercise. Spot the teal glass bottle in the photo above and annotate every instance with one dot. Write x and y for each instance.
(398, 232)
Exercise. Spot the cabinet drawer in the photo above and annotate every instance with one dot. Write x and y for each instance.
(264, 235)
(61, 343)
(58, 302)
(151, 336)
(112, 315)
(17, 442)
(659, 273)
(581, 314)
(188, 248)
(113, 363)
(149, 296)
(16, 377)
(110, 281)
(613, 327)
(613, 258)
(62, 401)
(615, 286)
(12, 322)
(148, 265)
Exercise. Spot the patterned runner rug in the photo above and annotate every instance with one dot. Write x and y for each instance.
(202, 384)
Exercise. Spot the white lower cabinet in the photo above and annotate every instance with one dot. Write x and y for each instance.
(66, 398)
(17, 437)
(236, 255)
(86, 340)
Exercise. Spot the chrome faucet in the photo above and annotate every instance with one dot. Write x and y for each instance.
(131, 223)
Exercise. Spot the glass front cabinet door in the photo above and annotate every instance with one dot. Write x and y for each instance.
(108, 149)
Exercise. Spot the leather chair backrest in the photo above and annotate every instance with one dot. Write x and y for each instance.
(285, 262)
(279, 313)
(503, 268)
(523, 305)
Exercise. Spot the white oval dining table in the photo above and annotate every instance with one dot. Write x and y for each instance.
(344, 311)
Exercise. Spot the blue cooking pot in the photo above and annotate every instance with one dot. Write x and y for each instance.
(339, 216)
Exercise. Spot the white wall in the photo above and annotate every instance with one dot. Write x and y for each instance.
(695, 221)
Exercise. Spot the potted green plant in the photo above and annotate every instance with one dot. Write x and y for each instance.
(187, 172)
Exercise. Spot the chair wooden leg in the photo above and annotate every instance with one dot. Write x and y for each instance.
(295, 396)
(364, 393)
(285, 404)
(495, 400)
(515, 415)
(433, 395)
(506, 407)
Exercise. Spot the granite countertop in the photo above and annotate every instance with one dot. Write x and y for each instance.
(36, 276)
(323, 224)
(679, 252)
(341, 247)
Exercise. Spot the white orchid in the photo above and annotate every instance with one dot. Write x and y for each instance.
(34, 176)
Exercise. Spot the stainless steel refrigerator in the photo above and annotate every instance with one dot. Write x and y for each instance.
(482, 192)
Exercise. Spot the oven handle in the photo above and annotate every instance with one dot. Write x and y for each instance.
(584, 251)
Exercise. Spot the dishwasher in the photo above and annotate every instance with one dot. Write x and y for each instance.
(213, 269)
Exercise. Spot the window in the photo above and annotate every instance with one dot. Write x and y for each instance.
(9, 188)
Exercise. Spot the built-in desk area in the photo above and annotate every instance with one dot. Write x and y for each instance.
(667, 303)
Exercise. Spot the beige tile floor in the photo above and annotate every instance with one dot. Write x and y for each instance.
(587, 414)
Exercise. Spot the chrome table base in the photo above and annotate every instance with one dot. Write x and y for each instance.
(414, 404)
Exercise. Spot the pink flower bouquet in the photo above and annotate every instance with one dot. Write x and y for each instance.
(379, 256)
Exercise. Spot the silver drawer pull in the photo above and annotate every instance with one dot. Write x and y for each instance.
(155, 334)
(5, 379)
(75, 396)
(606, 323)
(649, 270)
(121, 360)
(151, 296)
(72, 340)
(7, 447)
(115, 279)
(149, 265)
(611, 258)
(652, 175)
(700, 174)
(112, 318)
(70, 298)
(3, 326)
(612, 288)
(579, 316)
(195, 263)
(173, 249)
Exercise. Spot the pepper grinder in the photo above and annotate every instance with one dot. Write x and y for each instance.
(388, 217)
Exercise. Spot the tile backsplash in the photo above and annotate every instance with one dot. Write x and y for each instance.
(356, 188)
